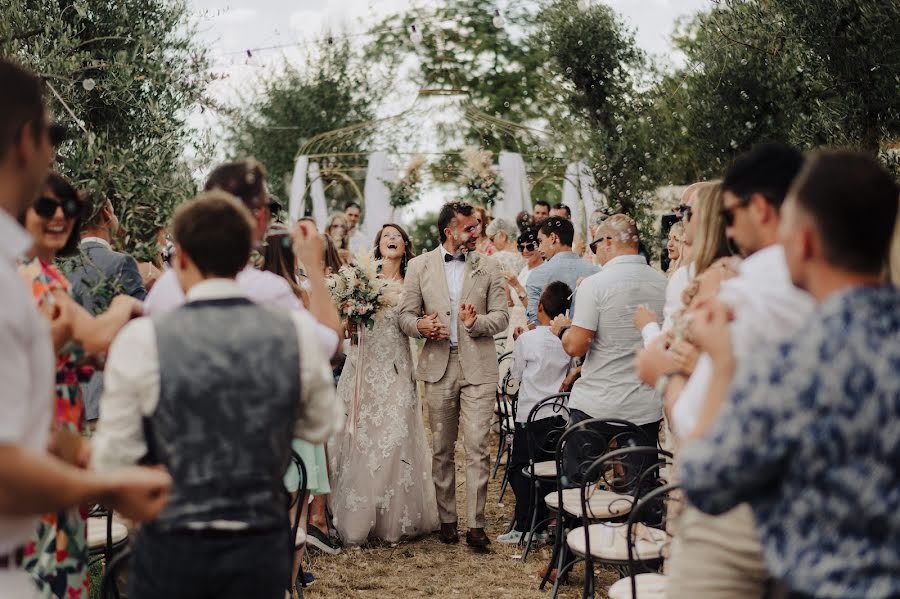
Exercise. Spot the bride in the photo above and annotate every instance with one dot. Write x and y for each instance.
(382, 487)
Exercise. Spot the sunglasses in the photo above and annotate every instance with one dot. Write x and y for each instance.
(529, 246)
(46, 207)
(593, 244)
(685, 212)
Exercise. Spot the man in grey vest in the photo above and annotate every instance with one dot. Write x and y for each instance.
(97, 274)
(215, 390)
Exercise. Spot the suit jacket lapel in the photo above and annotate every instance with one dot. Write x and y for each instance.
(468, 279)
(437, 264)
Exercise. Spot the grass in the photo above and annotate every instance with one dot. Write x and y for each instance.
(428, 568)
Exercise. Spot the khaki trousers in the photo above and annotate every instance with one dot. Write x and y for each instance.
(452, 402)
(717, 557)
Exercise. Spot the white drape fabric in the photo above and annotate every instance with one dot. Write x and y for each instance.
(296, 206)
(317, 194)
(571, 197)
(378, 210)
(514, 181)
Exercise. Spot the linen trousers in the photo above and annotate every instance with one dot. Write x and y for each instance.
(717, 557)
(454, 403)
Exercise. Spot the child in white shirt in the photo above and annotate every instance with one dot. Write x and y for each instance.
(540, 364)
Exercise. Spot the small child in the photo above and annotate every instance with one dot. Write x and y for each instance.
(540, 364)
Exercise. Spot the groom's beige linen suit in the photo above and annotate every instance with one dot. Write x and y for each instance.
(460, 382)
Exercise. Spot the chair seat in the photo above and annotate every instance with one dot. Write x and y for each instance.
(608, 542)
(544, 469)
(649, 586)
(602, 505)
(96, 532)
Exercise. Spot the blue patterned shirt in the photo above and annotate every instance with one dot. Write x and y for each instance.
(811, 439)
(567, 267)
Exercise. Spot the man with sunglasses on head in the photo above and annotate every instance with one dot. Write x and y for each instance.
(720, 556)
(32, 482)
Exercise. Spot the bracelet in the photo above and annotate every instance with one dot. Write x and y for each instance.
(562, 332)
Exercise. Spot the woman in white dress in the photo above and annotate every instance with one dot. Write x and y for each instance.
(381, 477)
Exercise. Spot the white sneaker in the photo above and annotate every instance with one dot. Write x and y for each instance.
(511, 538)
(539, 537)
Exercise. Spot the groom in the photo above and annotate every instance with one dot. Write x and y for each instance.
(455, 298)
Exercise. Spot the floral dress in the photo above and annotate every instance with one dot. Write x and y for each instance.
(57, 555)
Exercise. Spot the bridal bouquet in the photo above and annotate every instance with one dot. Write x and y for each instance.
(479, 177)
(358, 293)
(406, 191)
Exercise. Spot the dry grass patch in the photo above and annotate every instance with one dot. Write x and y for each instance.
(428, 568)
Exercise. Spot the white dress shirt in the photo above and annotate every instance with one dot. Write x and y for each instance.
(540, 363)
(767, 309)
(260, 286)
(131, 385)
(455, 272)
(358, 242)
(27, 370)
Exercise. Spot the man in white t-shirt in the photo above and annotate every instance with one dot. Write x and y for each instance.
(31, 481)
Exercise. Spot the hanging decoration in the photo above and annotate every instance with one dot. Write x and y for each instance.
(479, 177)
(405, 191)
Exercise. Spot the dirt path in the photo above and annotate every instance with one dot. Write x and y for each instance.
(428, 568)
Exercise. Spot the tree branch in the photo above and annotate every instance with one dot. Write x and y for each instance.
(22, 36)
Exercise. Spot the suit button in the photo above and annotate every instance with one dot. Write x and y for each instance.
(448, 312)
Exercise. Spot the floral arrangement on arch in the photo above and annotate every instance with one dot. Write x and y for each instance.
(406, 191)
(479, 178)
(359, 294)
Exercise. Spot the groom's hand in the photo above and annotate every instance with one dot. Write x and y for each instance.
(468, 315)
(430, 326)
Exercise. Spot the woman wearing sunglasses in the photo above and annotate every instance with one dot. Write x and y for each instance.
(57, 556)
(527, 244)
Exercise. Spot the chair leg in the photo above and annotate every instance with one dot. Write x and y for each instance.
(505, 482)
(557, 547)
(530, 536)
(588, 592)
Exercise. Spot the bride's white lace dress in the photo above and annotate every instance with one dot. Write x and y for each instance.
(381, 477)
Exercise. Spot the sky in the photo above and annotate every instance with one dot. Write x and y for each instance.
(229, 28)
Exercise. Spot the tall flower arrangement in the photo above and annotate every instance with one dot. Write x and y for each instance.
(359, 294)
(479, 178)
(406, 191)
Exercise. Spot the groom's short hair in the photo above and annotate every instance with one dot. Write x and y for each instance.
(448, 213)
(215, 231)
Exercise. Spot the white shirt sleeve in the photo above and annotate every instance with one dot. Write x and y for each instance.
(320, 414)
(130, 392)
(587, 313)
(518, 358)
(16, 374)
(674, 290)
(650, 332)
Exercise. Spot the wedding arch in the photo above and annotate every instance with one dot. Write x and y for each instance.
(374, 152)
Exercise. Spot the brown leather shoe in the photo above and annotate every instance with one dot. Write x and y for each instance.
(477, 538)
(448, 534)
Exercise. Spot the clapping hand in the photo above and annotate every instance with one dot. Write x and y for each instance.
(516, 332)
(644, 316)
(138, 492)
(654, 361)
(558, 323)
(431, 327)
(309, 246)
(468, 315)
(709, 329)
(685, 356)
